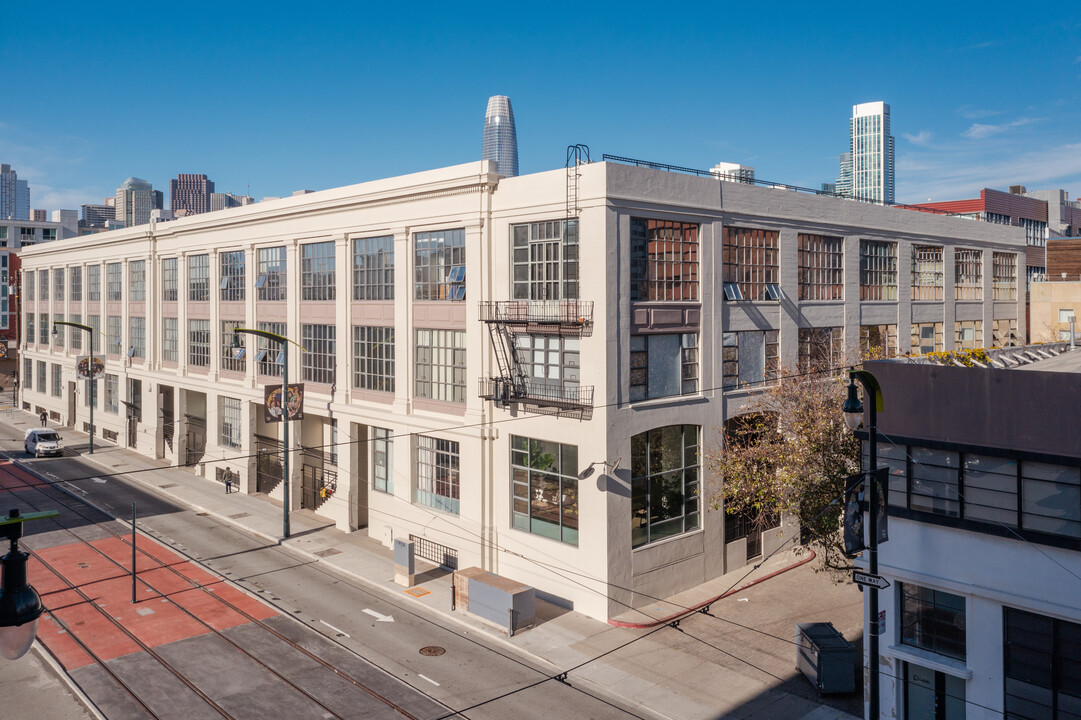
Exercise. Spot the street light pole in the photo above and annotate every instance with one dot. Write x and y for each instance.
(283, 343)
(90, 381)
(20, 603)
(853, 411)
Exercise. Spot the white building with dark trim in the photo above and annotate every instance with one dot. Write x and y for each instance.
(473, 343)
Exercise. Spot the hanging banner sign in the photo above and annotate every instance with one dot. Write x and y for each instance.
(82, 367)
(272, 403)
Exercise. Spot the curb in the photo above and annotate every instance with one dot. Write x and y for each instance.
(705, 603)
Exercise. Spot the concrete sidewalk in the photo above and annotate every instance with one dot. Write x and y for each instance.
(684, 687)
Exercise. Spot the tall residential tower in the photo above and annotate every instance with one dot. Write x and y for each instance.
(867, 169)
(500, 139)
(135, 198)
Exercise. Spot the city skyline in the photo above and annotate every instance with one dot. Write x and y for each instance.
(333, 117)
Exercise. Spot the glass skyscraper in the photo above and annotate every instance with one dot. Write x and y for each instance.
(500, 139)
(867, 169)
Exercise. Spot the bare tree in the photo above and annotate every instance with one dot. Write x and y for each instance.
(789, 455)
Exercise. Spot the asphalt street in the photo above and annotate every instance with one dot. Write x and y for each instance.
(463, 670)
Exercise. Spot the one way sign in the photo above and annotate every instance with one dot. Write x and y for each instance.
(869, 580)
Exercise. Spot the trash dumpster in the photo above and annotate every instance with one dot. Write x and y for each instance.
(826, 658)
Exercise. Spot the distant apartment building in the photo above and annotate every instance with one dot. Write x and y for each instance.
(733, 172)
(39, 215)
(135, 198)
(95, 216)
(190, 194)
(867, 169)
(14, 195)
(221, 201)
(472, 349)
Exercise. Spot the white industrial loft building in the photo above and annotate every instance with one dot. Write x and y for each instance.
(474, 343)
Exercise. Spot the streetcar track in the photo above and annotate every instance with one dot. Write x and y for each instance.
(193, 585)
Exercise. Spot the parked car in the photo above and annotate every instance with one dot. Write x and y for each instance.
(43, 441)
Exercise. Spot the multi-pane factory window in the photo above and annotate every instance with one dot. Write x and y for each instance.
(198, 278)
(137, 280)
(439, 272)
(229, 412)
(968, 274)
(59, 331)
(317, 271)
(169, 340)
(969, 334)
(544, 488)
(269, 354)
(28, 373)
(750, 358)
(199, 343)
(30, 336)
(58, 379)
(878, 341)
(112, 393)
(373, 358)
(113, 336)
(317, 362)
(114, 282)
(440, 365)
(76, 284)
(1004, 269)
(438, 473)
(42, 379)
(43, 283)
(43, 331)
(373, 268)
(821, 348)
(662, 365)
(1042, 666)
(58, 284)
(383, 460)
(231, 268)
(1004, 333)
(169, 279)
(76, 333)
(664, 260)
(271, 280)
(878, 270)
(137, 336)
(93, 283)
(750, 264)
(926, 338)
(31, 286)
(233, 358)
(544, 256)
(927, 273)
(821, 267)
(665, 469)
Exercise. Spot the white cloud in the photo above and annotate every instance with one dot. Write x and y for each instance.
(977, 113)
(922, 138)
(979, 131)
(956, 175)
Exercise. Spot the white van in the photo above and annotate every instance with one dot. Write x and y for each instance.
(43, 441)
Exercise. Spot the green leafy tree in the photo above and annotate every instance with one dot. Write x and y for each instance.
(789, 454)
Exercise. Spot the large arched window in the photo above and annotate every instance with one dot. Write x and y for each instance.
(664, 483)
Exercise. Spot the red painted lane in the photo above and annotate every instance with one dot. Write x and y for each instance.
(167, 599)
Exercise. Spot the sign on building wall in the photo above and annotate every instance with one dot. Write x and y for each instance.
(82, 367)
(272, 402)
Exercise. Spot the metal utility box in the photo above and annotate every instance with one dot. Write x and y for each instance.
(499, 600)
(826, 658)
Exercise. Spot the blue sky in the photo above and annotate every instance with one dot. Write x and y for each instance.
(271, 97)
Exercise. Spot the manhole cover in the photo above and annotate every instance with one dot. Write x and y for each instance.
(432, 651)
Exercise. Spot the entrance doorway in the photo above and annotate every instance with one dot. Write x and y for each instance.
(268, 463)
(71, 403)
(933, 695)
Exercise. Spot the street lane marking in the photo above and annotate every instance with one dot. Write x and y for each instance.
(99, 480)
(340, 632)
(379, 616)
(433, 682)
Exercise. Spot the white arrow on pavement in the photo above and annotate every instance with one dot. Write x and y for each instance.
(380, 617)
